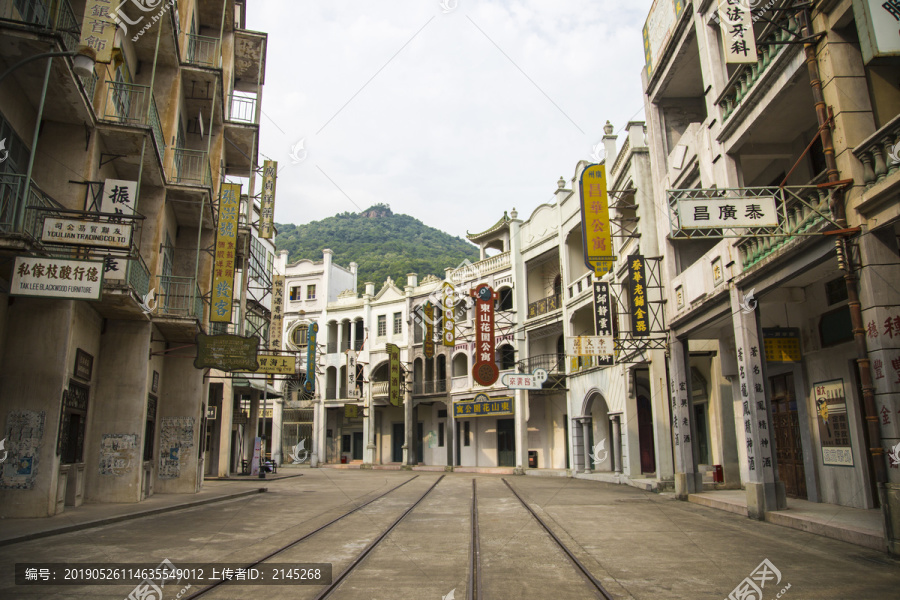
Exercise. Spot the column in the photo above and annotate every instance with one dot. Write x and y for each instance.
(277, 413)
(521, 422)
(369, 426)
(764, 491)
(409, 456)
(687, 479)
(226, 414)
(586, 425)
(617, 443)
(340, 339)
(252, 427)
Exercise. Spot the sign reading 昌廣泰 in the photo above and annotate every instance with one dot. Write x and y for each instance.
(484, 406)
(223, 269)
(637, 296)
(727, 213)
(603, 317)
(393, 351)
(227, 352)
(834, 427)
(276, 322)
(57, 278)
(738, 38)
(267, 202)
(595, 233)
(275, 364)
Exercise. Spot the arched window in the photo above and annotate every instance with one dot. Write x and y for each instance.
(506, 357)
(461, 365)
(505, 302)
(300, 335)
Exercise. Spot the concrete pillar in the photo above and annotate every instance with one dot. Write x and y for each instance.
(225, 416)
(586, 425)
(369, 427)
(183, 394)
(659, 402)
(409, 457)
(617, 443)
(340, 339)
(764, 491)
(251, 428)
(521, 424)
(277, 411)
(119, 412)
(318, 453)
(687, 479)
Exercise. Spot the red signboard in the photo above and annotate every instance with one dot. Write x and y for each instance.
(484, 371)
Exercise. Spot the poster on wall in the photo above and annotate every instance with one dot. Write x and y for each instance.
(834, 427)
(24, 434)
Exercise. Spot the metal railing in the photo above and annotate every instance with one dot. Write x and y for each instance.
(544, 306)
(156, 127)
(430, 387)
(90, 85)
(203, 51)
(190, 167)
(880, 153)
(138, 276)
(13, 195)
(56, 15)
(179, 297)
(552, 363)
(331, 347)
(126, 102)
(242, 109)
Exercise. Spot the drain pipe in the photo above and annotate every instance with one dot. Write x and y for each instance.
(845, 262)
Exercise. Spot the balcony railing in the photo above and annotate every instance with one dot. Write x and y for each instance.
(89, 84)
(56, 15)
(243, 109)
(12, 197)
(430, 387)
(156, 127)
(381, 389)
(880, 153)
(331, 347)
(330, 393)
(460, 383)
(581, 284)
(191, 167)
(203, 51)
(179, 297)
(544, 306)
(552, 363)
(126, 103)
(481, 268)
(138, 276)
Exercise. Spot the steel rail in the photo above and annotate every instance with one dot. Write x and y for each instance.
(211, 587)
(474, 584)
(336, 581)
(584, 570)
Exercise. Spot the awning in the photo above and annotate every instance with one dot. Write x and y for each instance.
(238, 384)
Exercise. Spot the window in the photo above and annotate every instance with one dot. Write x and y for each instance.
(150, 427)
(382, 325)
(466, 433)
(506, 357)
(398, 323)
(311, 292)
(299, 337)
(441, 435)
(505, 301)
(836, 327)
(345, 443)
(295, 293)
(70, 445)
(836, 291)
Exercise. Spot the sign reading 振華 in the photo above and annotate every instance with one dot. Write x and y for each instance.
(223, 269)
(595, 233)
(119, 197)
(57, 278)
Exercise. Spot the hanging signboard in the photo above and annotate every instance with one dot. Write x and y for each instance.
(484, 371)
(119, 196)
(98, 28)
(82, 232)
(267, 202)
(528, 381)
(352, 389)
(484, 406)
(637, 296)
(223, 269)
(730, 213)
(781, 344)
(595, 233)
(275, 364)
(311, 335)
(351, 411)
(738, 38)
(585, 345)
(448, 303)
(661, 22)
(428, 344)
(276, 321)
(393, 351)
(47, 277)
(240, 418)
(603, 318)
(878, 24)
(834, 428)
(227, 352)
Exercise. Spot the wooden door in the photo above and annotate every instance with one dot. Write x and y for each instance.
(506, 443)
(397, 442)
(645, 435)
(786, 426)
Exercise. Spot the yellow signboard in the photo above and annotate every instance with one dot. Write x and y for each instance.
(267, 202)
(98, 29)
(226, 238)
(429, 330)
(275, 364)
(351, 411)
(448, 303)
(598, 252)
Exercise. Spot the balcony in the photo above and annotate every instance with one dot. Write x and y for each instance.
(190, 167)
(424, 388)
(242, 108)
(875, 153)
(55, 15)
(381, 389)
(203, 51)
(20, 212)
(179, 297)
(138, 276)
(331, 393)
(552, 363)
(581, 284)
(481, 268)
(544, 306)
(331, 347)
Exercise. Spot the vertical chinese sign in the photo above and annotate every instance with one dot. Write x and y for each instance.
(223, 269)
(637, 296)
(393, 351)
(98, 29)
(602, 316)
(267, 203)
(834, 429)
(119, 197)
(312, 334)
(276, 321)
(428, 344)
(484, 371)
(447, 302)
(595, 234)
(352, 390)
(737, 32)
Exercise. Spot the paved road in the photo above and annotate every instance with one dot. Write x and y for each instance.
(639, 545)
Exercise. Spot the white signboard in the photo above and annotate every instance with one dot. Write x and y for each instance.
(86, 233)
(57, 278)
(352, 389)
(528, 381)
(597, 345)
(737, 32)
(119, 196)
(878, 24)
(698, 213)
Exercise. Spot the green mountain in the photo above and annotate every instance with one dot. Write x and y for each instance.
(381, 243)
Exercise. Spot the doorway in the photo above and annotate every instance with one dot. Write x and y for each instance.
(357, 445)
(420, 439)
(506, 443)
(397, 443)
(645, 435)
(786, 423)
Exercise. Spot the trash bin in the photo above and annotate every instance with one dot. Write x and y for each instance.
(718, 474)
(343, 460)
(532, 459)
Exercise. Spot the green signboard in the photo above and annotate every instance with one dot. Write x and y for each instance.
(227, 352)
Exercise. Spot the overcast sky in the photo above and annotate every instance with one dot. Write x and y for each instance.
(451, 117)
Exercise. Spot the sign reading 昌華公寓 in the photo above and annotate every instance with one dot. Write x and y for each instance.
(81, 232)
(595, 232)
(57, 278)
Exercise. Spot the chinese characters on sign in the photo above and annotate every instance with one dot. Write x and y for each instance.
(585, 345)
(99, 28)
(227, 352)
(782, 344)
(737, 31)
(598, 254)
(484, 371)
(275, 365)
(484, 406)
(528, 381)
(352, 390)
(447, 302)
(267, 203)
(119, 197)
(755, 413)
(603, 318)
(393, 351)
(428, 345)
(312, 334)
(277, 318)
(738, 213)
(80, 232)
(834, 429)
(226, 238)
(57, 278)
(637, 296)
